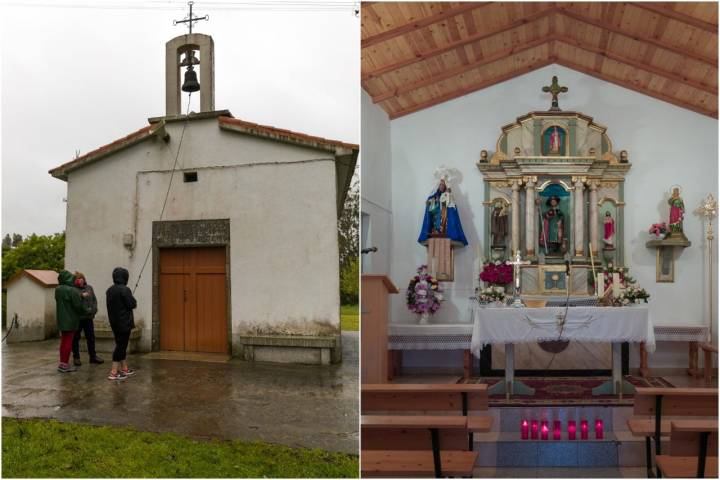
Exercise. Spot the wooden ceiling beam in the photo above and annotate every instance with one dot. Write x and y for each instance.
(501, 55)
(367, 75)
(637, 88)
(420, 23)
(675, 15)
(574, 42)
(639, 38)
(472, 88)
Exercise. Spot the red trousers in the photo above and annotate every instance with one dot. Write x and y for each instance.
(66, 341)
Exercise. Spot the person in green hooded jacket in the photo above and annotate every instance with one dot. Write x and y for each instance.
(70, 308)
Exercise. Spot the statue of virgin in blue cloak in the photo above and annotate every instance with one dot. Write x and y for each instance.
(441, 217)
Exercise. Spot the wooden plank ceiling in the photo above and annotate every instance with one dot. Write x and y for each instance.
(415, 55)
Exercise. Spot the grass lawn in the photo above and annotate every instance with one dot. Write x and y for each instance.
(48, 448)
(350, 317)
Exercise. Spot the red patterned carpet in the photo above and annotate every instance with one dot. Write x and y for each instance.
(567, 391)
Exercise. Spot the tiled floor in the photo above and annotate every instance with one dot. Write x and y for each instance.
(492, 472)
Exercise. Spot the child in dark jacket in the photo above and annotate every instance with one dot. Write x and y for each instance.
(70, 308)
(120, 305)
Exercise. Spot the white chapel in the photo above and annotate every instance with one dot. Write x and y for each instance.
(232, 224)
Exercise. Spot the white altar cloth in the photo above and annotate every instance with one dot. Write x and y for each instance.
(510, 325)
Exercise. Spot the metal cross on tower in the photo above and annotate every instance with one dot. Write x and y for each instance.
(554, 89)
(190, 20)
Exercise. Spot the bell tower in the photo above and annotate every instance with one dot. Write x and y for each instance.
(188, 47)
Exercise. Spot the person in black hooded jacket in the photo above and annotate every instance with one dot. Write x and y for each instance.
(120, 305)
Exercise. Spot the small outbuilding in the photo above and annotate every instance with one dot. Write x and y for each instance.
(31, 296)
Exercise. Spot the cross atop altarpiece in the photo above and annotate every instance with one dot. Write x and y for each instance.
(190, 20)
(554, 89)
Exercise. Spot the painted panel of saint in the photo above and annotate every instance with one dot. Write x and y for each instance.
(553, 141)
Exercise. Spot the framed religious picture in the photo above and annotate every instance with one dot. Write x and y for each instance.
(554, 141)
(553, 279)
(664, 265)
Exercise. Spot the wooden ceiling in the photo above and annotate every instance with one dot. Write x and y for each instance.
(416, 55)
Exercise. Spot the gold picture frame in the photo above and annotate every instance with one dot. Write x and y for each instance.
(553, 268)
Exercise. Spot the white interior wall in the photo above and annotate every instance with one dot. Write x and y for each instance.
(376, 186)
(665, 144)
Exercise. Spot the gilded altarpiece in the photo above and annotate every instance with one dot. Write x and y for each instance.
(562, 187)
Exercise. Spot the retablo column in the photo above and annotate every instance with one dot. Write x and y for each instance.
(530, 217)
(515, 233)
(593, 218)
(579, 221)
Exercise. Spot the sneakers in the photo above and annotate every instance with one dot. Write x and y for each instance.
(76, 361)
(117, 376)
(96, 360)
(128, 372)
(66, 368)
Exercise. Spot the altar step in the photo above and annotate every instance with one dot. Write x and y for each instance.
(503, 447)
(507, 450)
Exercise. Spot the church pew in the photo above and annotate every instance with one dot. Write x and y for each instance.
(433, 446)
(708, 350)
(452, 398)
(693, 450)
(659, 402)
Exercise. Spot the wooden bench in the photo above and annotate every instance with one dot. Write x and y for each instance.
(453, 398)
(693, 450)
(433, 446)
(708, 350)
(659, 402)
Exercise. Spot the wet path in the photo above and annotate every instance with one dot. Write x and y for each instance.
(296, 405)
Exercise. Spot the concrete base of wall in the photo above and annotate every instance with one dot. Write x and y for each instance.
(35, 331)
(28, 334)
(291, 349)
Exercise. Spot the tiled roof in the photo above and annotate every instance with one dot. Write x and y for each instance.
(282, 134)
(44, 278)
(224, 121)
(136, 136)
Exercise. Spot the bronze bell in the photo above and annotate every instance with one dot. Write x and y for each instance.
(191, 82)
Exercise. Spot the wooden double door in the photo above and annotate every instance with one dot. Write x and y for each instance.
(193, 300)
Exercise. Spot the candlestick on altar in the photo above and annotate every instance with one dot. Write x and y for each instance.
(595, 277)
(616, 284)
(600, 285)
(477, 266)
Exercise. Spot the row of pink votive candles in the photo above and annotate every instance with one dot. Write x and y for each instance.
(533, 429)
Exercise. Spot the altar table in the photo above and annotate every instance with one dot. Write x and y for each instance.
(508, 325)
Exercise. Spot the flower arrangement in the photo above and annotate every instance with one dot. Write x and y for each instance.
(424, 293)
(632, 294)
(498, 273)
(658, 229)
(490, 294)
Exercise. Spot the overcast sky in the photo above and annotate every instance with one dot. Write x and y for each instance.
(75, 78)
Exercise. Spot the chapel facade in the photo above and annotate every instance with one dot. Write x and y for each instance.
(228, 228)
